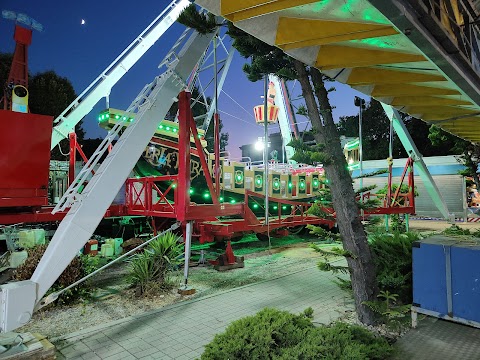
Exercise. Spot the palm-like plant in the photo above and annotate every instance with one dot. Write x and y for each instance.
(152, 266)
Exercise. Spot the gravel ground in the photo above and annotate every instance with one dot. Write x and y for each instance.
(115, 300)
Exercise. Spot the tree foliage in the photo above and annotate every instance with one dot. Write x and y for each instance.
(376, 134)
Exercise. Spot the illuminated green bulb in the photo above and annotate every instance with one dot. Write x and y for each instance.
(174, 185)
(167, 128)
(259, 181)
(284, 207)
(302, 185)
(160, 127)
(191, 191)
(239, 177)
(100, 118)
(117, 117)
(275, 207)
(275, 184)
(289, 185)
(255, 206)
(174, 130)
(124, 118)
(221, 198)
(315, 183)
(206, 195)
(232, 201)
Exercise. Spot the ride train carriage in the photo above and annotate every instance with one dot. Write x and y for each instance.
(296, 182)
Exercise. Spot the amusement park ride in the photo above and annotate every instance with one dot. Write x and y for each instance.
(212, 196)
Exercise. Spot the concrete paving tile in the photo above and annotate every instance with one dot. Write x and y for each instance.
(146, 352)
(183, 331)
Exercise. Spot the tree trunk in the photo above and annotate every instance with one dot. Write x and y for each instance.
(362, 269)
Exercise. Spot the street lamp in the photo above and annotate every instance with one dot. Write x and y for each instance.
(361, 104)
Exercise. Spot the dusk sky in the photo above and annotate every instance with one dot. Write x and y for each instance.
(82, 52)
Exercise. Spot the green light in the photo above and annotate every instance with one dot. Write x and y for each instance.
(199, 136)
(275, 184)
(167, 128)
(130, 119)
(221, 198)
(100, 118)
(239, 177)
(206, 195)
(354, 166)
(315, 183)
(353, 145)
(284, 207)
(255, 206)
(290, 185)
(191, 191)
(232, 201)
(259, 181)
(275, 207)
(302, 185)
(124, 118)
(174, 130)
(160, 127)
(117, 117)
(174, 185)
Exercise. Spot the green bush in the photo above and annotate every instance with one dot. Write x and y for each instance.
(149, 270)
(392, 254)
(74, 272)
(274, 334)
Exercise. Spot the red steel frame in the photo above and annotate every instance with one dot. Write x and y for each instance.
(144, 196)
(19, 70)
(397, 203)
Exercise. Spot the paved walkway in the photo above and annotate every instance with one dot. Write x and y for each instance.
(436, 339)
(182, 330)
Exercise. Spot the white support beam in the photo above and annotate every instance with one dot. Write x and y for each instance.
(102, 85)
(90, 206)
(283, 119)
(420, 166)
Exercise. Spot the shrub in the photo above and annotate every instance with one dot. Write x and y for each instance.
(274, 334)
(392, 254)
(74, 272)
(149, 270)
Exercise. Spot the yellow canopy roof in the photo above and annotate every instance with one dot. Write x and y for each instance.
(371, 46)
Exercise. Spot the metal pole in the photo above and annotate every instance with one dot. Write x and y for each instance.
(360, 149)
(360, 153)
(216, 124)
(265, 144)
(390, 170)
(188, 243)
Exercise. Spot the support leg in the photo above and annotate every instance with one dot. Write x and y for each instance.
(414, 318)
(185, 289)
